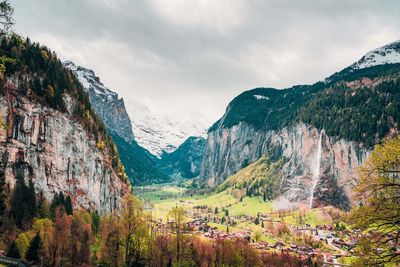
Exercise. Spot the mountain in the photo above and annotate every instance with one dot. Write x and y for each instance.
(49, 133)
(185, 161)
(320, 133)
(159, 134)
(387, 54)
(105, 102)
(140, 165)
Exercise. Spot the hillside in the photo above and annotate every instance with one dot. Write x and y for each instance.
(322, 132)
(51, 134)
(140, 165)
(185, 161)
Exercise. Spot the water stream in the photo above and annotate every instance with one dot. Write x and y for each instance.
(316, 169)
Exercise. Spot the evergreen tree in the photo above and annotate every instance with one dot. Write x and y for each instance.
(257, 221)
(61, 199)
(42, 210)
(19, 208)
(35, 246)
(54, 204)
(13, 251)
(95, 222)
(30, 199)
(68, 205)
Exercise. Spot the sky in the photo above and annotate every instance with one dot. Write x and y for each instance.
(185, 57)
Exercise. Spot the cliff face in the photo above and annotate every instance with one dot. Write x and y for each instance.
(105, 102)
(56, 152)
(320, 133)
(318, 169)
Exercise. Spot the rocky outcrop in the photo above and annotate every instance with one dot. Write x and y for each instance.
(322, 176)
(57, 153)
(105, 102)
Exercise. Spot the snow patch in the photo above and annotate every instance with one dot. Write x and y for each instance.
(261, 97)
(160, 134)
(388, 54)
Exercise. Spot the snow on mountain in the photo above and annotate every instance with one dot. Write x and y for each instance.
(387, 54)
(159, 134)
(105, 102)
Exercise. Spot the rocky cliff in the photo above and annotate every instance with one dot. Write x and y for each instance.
(50, 134)
(140, 165)
(320, 132)
(105, 102)
(317, 169)
(57, 153)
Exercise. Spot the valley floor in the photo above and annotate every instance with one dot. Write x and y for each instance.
(305, 232)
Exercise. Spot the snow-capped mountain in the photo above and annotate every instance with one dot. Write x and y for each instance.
(387, 54)
(159, 134)
(105, 102)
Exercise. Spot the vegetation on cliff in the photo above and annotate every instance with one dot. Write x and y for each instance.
(37, 73)
(260, 178)
(344, 105)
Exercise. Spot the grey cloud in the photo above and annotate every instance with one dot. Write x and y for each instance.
(200, 54)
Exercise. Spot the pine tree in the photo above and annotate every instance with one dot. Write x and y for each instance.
(68, 205)
(95, 222)
(54, 204)
(30, 199)
(19, 208)
(35, 246)
(61, 199)
(13, 251)
(42, 210)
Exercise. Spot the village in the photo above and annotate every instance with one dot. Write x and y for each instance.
(268, 232)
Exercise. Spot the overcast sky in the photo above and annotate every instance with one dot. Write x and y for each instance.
(184, 56)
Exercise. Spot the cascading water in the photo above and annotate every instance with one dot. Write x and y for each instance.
(316, 169)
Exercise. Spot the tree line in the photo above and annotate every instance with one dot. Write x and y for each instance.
(54, 234)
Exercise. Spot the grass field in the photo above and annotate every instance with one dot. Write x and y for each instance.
(312, 217)
(164, 197)
(156, 193)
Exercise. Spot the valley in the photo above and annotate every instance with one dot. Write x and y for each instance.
(318, 232)
(303, 175)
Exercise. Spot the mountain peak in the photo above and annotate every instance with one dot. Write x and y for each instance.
(159, 133)
(104, 101)
(387, 54)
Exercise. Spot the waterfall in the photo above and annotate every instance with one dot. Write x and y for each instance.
(316, 169)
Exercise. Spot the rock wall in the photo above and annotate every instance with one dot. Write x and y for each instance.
(56, 152)
(324, 179)
(105, 102)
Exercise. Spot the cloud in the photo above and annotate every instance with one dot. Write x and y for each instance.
(185, 56)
